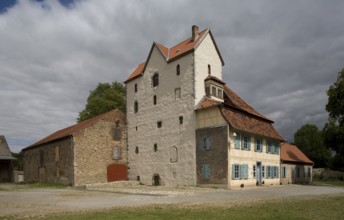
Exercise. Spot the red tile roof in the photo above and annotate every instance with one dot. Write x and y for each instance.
(136, 73)
(175, 52)
(71, 130)
(291, 153)
(233, 100)
(245, 122)
(207, 102)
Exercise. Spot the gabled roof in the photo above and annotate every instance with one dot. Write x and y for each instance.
(71, 130)
(245, 122)
(233, 100)
(185, 47)
(136, 73)
(207, 102)
(5, 153)
(291, 153)
(241, 116)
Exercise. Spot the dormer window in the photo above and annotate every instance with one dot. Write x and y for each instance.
(155, 80)
(214, 88)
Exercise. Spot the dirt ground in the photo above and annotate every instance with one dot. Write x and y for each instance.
(28, 203)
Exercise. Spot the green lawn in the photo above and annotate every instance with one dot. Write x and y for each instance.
(329, 207)
(329, 182)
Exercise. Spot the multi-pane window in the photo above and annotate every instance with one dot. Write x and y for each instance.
(245, 142)
(236, 171)
(239, 171)
(220, 93)
(258, 145)
(268, 172)
(205, 143)
(213, 91)
(155, 80)
(263, 171)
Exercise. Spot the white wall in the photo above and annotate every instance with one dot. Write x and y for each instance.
(147, 162)
(205, 54)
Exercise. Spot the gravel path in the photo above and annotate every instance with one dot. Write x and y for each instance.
(40, 202)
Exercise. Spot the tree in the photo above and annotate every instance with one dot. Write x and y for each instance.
(104, 98)
(309, 139)
(333, 131)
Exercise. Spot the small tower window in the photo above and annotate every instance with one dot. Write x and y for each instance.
(154, 99)
(135, 87)
(136, 150)
(181, 119)
(178, 70)
(136, 107)
(155, 147)
(209, 69)
(159, 124)
(155, 80)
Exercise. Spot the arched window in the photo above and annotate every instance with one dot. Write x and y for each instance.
(136, 107)
(178, 70)
(135, 87)
(154, 99)
(155, 80)
(209, 69)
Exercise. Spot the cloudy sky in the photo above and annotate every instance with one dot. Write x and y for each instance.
(280, 56)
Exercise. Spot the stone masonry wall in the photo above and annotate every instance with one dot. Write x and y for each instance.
(41, 164)
(211, 151)
(97, 146)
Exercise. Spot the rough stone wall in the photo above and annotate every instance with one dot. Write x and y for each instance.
(94, 147)
(143, 132)
(291, 174)
(205, 55)
(40, 163)
(215, 156)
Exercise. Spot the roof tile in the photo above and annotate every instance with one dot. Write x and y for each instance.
(291, 153)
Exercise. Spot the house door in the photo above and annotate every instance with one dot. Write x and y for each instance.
(259, 173)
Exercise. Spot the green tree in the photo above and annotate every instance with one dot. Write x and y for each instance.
(333, 131)
(104, 98)
(309, 139)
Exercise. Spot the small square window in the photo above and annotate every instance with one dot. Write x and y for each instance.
(159, 124)
(181, 119)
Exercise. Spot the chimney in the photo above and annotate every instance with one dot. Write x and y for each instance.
(194, 32)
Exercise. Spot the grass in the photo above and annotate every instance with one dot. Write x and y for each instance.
(323, 207)
(15, 186)
(333, 182)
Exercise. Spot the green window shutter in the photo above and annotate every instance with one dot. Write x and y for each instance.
(233, 171)
(267, 146)
(255, 144)
(249, 143)
(277, 149)
(205, 171)
(268, 172)
(277, 168)
(244, 171)
(237, 141)
(242, 142)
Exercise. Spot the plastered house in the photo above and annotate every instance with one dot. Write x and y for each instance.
(296, 167)
(187, 127)
(92, 151)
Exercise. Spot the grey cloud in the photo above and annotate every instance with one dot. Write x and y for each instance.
(280, 56)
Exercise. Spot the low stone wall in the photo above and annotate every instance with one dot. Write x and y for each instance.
(117, 184)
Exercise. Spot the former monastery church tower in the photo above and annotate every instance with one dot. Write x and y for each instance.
(186, 127)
